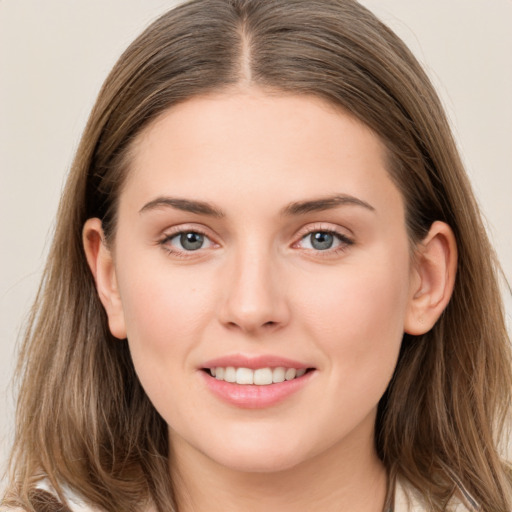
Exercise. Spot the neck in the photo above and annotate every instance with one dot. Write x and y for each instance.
(340, 479)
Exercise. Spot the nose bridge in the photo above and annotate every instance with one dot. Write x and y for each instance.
(254, 296)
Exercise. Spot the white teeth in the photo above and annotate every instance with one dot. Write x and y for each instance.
(278, 374)
(263, 376)
(244, 376)
(259, 377)
(290, 374)
(230, 374)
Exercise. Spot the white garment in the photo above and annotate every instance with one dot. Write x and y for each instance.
(74, 502)
(406, 500)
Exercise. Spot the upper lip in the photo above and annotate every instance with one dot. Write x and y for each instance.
(254, 362)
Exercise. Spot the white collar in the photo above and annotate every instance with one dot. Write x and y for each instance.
(408, 499)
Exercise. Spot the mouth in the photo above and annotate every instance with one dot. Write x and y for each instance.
(258, 376)
(259, 387)
(251, 381)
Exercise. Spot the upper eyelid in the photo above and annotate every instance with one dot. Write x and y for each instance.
(170, 236)
(172, 231)
(327, 227)
(343, 239)
(343, 232)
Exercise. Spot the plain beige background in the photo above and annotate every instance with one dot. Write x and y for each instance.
(55, 54)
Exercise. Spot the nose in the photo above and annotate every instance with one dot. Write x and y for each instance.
(255, 294)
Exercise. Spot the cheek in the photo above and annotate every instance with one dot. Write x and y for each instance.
(164, 308)
(358, 316)
(165, 313)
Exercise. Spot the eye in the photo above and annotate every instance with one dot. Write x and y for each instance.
(187, 241)
(324, 240)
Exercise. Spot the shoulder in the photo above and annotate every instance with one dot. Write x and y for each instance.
(74, 502)
(408, 499)
(44, 499)
(41, 501)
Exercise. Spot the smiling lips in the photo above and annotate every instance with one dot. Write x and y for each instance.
(255, 383)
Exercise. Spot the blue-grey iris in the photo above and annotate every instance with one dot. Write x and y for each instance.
(191, 241)
(321, 240)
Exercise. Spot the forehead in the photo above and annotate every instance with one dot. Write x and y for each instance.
(253, 142)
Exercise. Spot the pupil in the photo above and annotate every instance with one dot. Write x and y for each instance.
(191, 241)
(322, 240)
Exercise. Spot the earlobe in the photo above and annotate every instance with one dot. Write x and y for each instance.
(433, 280)
(101, 263)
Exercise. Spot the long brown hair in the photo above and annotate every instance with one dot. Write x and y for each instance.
(83, 419)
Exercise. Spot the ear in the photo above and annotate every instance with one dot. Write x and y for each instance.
(101, 263)
(433, 279)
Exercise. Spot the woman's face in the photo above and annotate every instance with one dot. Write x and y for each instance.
(260, 236)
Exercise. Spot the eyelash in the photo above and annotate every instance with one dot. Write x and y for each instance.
(165, 241)
(344, 241)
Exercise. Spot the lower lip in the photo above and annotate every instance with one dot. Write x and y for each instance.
(249, 396)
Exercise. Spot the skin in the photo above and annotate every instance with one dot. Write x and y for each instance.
(258, 286)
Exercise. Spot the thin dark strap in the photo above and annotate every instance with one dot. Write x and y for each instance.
(43, 501)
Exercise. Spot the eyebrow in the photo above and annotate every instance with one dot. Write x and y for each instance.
(295, 208)
(324, 203)
(186, 205)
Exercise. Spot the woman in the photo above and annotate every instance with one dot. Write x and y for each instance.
(269, 286)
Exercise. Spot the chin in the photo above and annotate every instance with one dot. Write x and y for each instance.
(255, 457)
(269, 464)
